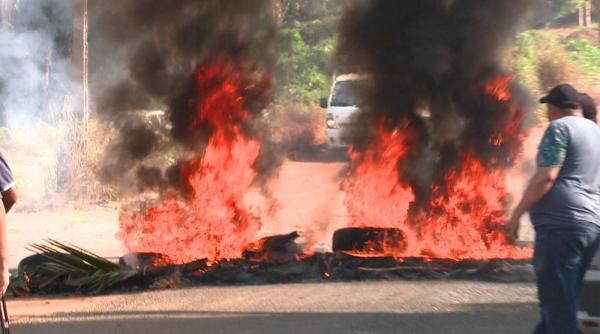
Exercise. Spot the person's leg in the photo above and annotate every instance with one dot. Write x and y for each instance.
(539, 257)
(540, 328)
(589, 252)
(557, 261)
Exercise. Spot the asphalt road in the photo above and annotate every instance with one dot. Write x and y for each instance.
(326, 308)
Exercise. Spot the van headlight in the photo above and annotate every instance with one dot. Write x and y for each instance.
(331, 123)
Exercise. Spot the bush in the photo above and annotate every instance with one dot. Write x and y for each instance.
(80, 160)
(540, 60)
(586, 55)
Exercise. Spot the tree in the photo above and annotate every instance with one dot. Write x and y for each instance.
(308, 40)
(596, 8)
(584, 9)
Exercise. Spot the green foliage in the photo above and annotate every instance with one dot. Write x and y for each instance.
(308, 40)
(539, 61)
(294, 11)
(586, 55)
(303, 73)
(75, 267)
(524, 58)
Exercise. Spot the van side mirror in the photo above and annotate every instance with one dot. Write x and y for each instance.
(324, 102)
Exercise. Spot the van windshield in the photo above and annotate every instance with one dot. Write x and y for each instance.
(346, 93)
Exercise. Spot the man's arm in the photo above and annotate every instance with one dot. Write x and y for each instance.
(541, 182)
(9, 198)
(4, 275)
(7, 186)
(552, 153)
(539, 185)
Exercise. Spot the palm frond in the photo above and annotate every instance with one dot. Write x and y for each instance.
(76, 266)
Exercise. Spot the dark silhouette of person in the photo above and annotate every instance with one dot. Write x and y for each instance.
(588, 107)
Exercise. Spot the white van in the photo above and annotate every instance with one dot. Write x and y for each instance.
(341, 107)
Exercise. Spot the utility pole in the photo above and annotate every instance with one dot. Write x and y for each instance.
(86, 82)
(80, 58)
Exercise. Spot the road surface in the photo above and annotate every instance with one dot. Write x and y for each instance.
(326, 308)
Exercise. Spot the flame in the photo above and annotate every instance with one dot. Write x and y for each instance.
(384, 246)
(499, 87)
(511, 133)
(467, 212)
(466, 220)
(212, 221)
(372, 200)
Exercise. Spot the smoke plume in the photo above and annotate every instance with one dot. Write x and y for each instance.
(147, 53)
(34, 59)
(429, 62)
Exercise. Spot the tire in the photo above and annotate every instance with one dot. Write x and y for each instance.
(369, 240)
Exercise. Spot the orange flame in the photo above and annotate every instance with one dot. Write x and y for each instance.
(465, 219)
(499, 88)
(374, 201)
(212, 221)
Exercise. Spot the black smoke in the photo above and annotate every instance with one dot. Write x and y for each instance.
(428, 62)
(144, 55)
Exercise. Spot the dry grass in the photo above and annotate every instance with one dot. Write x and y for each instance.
(296, 127)
(54, 162)
(554, 68)
(84, 146)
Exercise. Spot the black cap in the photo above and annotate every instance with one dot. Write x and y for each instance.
(563, 96)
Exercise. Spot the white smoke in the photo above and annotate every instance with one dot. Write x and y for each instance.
(34, 73)
(35, 90)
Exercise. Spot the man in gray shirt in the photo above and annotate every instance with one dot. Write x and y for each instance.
(563, 198)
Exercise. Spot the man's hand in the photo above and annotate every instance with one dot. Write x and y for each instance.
(4, 280)
(512, 227)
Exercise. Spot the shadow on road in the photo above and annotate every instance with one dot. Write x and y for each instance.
(480, 318)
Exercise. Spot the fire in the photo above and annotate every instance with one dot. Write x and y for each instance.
(467, 212)
(210, 221)
(466, 220)
(372, 199)
(510, 134)
(499, 87)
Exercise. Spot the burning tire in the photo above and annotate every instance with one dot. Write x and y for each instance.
(369, 241)
(275, 249)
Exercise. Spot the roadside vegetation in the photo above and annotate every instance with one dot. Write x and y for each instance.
(543, 58)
